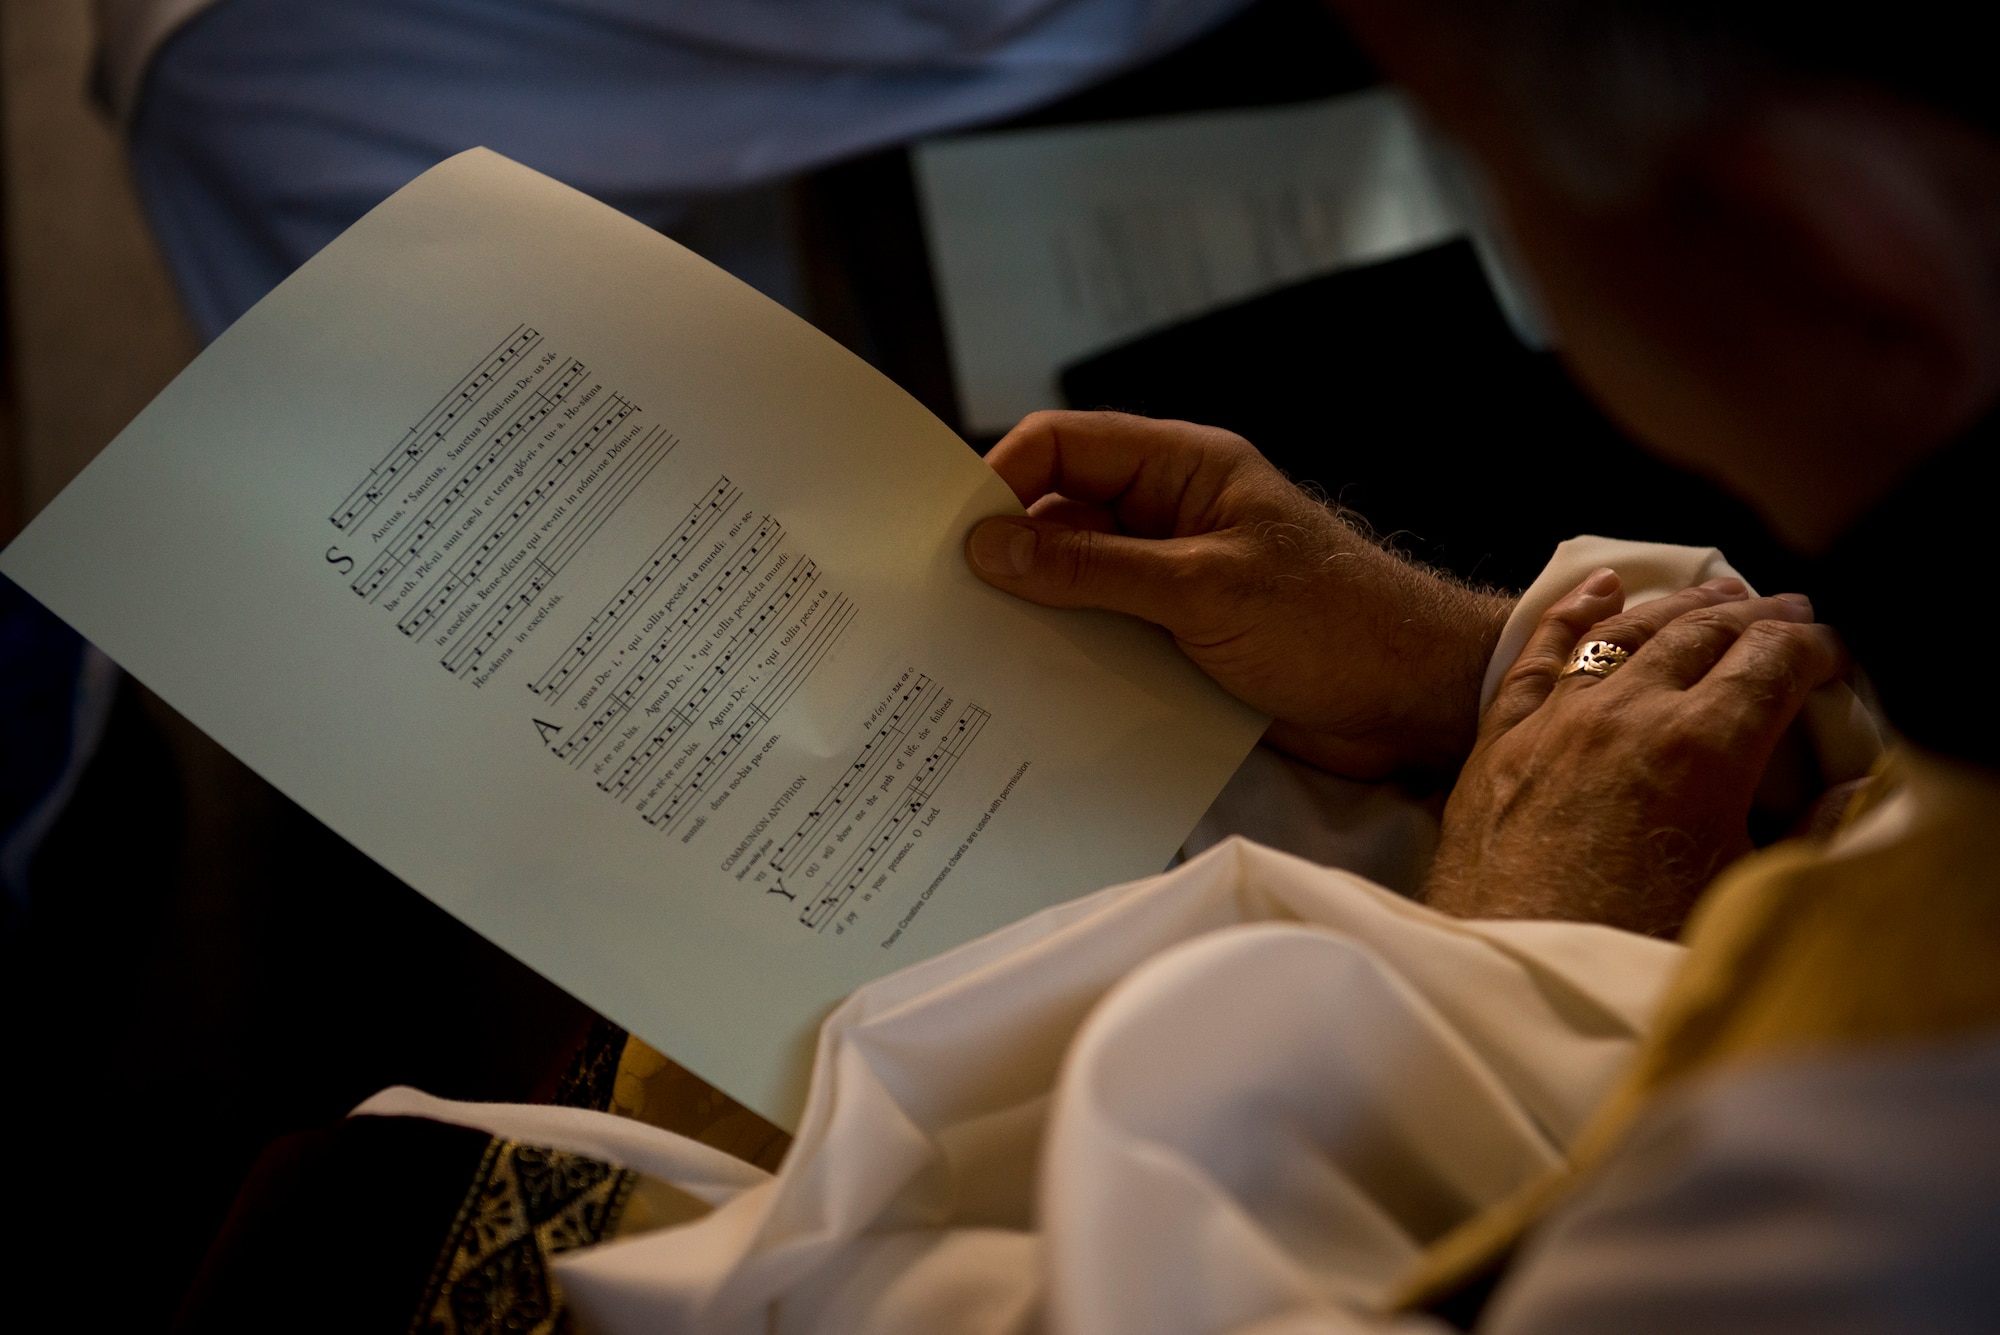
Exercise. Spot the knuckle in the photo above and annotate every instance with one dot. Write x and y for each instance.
(1536, 661)
(1635, 625)
(1532, 673)
(1616, 629)
(1215, 438)
(1044, 425)
(1791, 638)
(1709, 621)
(1569, 614)
(1204, 570)
(1704, 734)
(1632, 628)
(1705, 631)
(1780, 653)
(1568, 617)
(1231, 445)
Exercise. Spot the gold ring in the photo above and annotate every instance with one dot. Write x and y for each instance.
(1598, 658)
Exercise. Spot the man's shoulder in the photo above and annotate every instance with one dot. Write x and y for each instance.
(1887, 934)
(1852, 1190)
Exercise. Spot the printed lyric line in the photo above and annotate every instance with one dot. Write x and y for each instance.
(436, 425)
(675, 800)
(685, 623)
(598, 432)
(879, 749)
(895, 817)
(438, 524)
(661, 565)
(589, 505)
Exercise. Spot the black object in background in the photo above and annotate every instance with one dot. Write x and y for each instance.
(1399, 388)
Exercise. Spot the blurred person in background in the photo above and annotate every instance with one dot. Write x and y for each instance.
(260, 129)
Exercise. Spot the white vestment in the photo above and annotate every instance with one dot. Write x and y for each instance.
(1247, 1088)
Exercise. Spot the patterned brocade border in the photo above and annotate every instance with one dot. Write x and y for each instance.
(526, 1204)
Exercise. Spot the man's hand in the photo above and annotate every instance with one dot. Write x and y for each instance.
(1617, 800)
(1369, 665)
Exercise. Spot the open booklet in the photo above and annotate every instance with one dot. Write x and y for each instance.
(624, 615)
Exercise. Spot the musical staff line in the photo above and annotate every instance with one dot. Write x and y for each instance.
(930, 775)
(432, 428)
(417, 534)
(463, 573)
(474, 533)
(673, 640)
(658, 566)
(674, 804)
(879, 749)
(715, 676)
(597, 505)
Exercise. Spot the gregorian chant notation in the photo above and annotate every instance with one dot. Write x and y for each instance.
(875, 754)
(670, 792)
(435, 524)
(596, 433)
(657, 571)
(473, 531)
(437, 426)
(692, 659)
(882, 827)
(699, 689)
(521, 581)
(687, 616)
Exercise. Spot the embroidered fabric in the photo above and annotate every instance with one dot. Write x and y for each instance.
(526, 1205)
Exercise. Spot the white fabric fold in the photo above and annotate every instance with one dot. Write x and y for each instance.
(1249, 1087)
(1845, 738)
(1648, 570)
(701, 1171)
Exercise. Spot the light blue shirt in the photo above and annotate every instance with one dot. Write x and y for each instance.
(265, 127)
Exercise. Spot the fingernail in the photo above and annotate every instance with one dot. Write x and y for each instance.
(1729, 586)
(1796, 600)
(1603, 582)
(1002, 547)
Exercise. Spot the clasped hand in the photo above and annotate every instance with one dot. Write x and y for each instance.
(1617, 800)
(1612, 800)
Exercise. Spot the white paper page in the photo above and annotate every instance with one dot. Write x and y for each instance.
(624, 615)
(1052, 244)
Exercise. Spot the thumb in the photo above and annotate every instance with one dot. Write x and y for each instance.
(1057, 565)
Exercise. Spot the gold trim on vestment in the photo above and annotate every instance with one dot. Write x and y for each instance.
(1797, 949)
